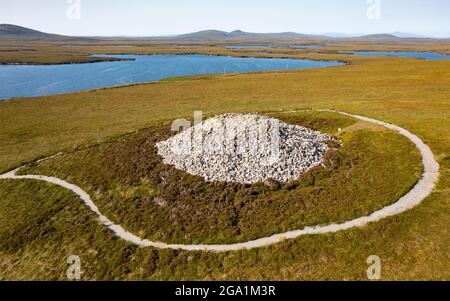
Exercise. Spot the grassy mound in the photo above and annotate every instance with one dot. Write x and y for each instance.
(127, 180)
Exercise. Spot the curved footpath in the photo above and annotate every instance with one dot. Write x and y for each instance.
(414, 197)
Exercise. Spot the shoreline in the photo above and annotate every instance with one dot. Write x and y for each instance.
(236, 55)
(64, 63)
(337, 64)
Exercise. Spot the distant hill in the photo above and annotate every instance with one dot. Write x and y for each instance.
(391, 35)
(215, 35)
(203, 35)
(9, 31)
(408, 35)
(379, 36)
(15, 32)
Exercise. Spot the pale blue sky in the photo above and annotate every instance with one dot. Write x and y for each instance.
(152, 17)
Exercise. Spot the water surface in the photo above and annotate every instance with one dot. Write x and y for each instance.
(35, 80)
(305, 46)
(407, 54)
(248, 46)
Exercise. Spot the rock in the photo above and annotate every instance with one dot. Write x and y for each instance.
(245, 148)
(272, 184)
(161, 202)
(292, 184)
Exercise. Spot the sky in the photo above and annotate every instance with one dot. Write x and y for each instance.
(168, 17)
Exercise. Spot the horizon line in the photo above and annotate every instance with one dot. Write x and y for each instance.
(324, 34)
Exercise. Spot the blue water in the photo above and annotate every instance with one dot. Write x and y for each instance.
(248, 46)
(407, 54)
(259, 52)
(310, 46)
(22, 80)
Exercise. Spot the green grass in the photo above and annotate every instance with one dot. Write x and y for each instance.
(413, 94)
(371, 170)
(49, 225)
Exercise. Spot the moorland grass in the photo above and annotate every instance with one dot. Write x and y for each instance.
(49, 224)
(57, 52)
(130, 184)
(411, 93)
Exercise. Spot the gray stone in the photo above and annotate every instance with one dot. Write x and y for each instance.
(245, 148)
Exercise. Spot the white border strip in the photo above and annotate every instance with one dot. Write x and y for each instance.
(414, 197)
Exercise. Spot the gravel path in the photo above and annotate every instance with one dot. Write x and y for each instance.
(414, 197)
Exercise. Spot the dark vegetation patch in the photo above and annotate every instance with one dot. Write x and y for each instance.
(131, 186)
(42, 224)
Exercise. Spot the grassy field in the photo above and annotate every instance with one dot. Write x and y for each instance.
(372, 169)
(48, 52)
(40, 225)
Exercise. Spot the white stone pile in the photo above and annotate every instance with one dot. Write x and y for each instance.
(245, 148)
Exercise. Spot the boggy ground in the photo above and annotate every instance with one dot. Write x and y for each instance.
(77, 51)
(130, 184)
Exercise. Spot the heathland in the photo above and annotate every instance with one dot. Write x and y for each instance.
(102, 132)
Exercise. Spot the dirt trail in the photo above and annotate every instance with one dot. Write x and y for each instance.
(414, 197)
